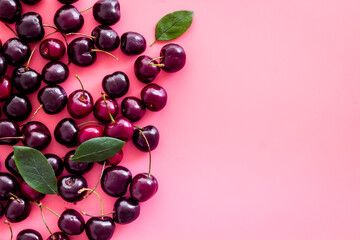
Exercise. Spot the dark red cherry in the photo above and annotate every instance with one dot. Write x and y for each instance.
(55, 72)
(154, 97)
(126, 210)
(53, 98)
(79, 168)
(10, 10)
(107, 12)
(17, 210)
(71, 222)
(132, 43)
(29, 234)
(114, 160)
(144, 71)
(5, 88)
(30, 2)
(173, 57)
(11, 166)
(116, 84)
(90, 132)
(100, 228)
(16, 52)
(29, 27)
(67, 1)
(115, 181)
(29, 193)
(80, 51)
(121, 128)
(133, 108)
(8, 129)
(8, 184)
(66, 132)
(17, 108)
(100, 111)
(105, 38)
(55, 162)
(3, 65)
(143, 187)
(68, 187)
(26, 80)
(52, 49)
(68, 19)
(36, 135)
(152, 135)
(58, 236)
(80, 104)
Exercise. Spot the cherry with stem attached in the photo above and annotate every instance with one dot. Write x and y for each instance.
(80, 102)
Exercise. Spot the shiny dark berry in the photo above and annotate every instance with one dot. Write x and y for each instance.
(55, 162)
(154, 97)
(80, 104)
(29, 193)
(143, 187)
(58, 236)
(52, 49)
(36, 135)
(8, 184)
(173, 57)
(80, 51)
(29, 27)
(17, 108)
(68, 19)
(132, 43)
(144, 71)
(8, 129)
(17, 210)
(116, 84)
(10, 10)
(26, 80)
(29, 234)
(107, 12)
(66, 132)
(71, 222)
(11, 166)
(126, 210)
(133, 108)
(16, 52)
(115, 180)
(55, 72)
(101, 112)
(100, 228)
(53, 98)
(3, 65)
(121, 128)
(152, 135)
(68, 187)
(5, 88)
(79, 168)
(105, 38)
(90, 132)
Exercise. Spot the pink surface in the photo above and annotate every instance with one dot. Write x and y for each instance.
(260, 137)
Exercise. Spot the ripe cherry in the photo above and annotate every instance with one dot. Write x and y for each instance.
(126, 210)
(17, 108)
(26, 80)
(66, 132)
(107, 12)
(115, 180)
(71, 222)
(55, 162)
(173, 57)
(72, 167)
(144, 71)
(120, 128)
(58, 236)
(101, 111)
(100, 228)
(36, 135)
(154, 97)
(9, 130)
(143, 187)
(133, 108)
(116, 84)
(29, 234)
(3, 65)
(68, 187)
(114, 160)
(132, 43)
(105, 38)
(80, 51)
(152, 135)
(68, 19)
(90, 132)
(55, 72)
(16, 51)
(10, 10)
(80, 103)
(17, 209)
(29, 193)
(8, 184)
(52, 49)
(53, 98)
(29, 27)
(11, 166)
(5, 88)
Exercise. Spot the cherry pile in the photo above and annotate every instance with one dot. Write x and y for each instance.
(112, 120)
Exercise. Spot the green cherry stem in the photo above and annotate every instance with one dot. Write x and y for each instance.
(153, 42)
(49, 26)
(157, 64)
(98, 50)
(84, 213)
(88, 122)
(11, 231)
(7, 138)
(111, 117)
(41, 205)
(97, 184)
(101, 202)
(14, 197)
(82, 87)
(86, 9)
(148, 145)
(81, 34)
(43, 218)
(31, 118)
(11, 29)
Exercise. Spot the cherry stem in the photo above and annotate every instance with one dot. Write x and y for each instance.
(5, 138)
(82, 87)
(37, 110)
(88, 122)
(84, 213)
(41, 205)
(11, 29)
(153, 42)
(97, 184)
(43, 218)
(86, 9)
(81, 34)
(49, 26)
(14, 197)
(101, 202)
(11, 231)
(98, 50)
(156, 64)
(111, 117)
(148, 145)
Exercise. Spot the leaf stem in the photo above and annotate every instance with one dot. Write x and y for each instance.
(97, 184)
(43, 218)
(148, 145)
(98, 50)
(81, 34)
(101, 202)
(11, 231)
(104, 97)
(86, 9)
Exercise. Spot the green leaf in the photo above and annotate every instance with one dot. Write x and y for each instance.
(97, 149)
(173, 25)
(35, 169)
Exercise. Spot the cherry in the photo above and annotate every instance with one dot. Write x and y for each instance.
(76, 167)
(105, 38)
(29, 27)
(67, 1)
(120, 128)
(8, 184)
(143, 187)
(8, 132)
(11, 166)
(10, 10)
(115, 181)
(100, 228)
(173, 57)
(16, 51)
(114, 160)
(66, 132)
(126, 210)
(26, 80)
(55, 72)
(53, 98)
(3, 65)
(52, 49)
(116, 84)
(71, 222)
(17, 108)
(68, 187)
(55, 162)
(5, 88)
(29, 193)
(29, 234)
(100, 110)
(107, 12)
(90, 132)
(80, 102)
(68, 19)
(17, 209)
(36, 135)
(58, 236)
(30, 2)
(80, 51)
(154, 97)
(132, 43)
(152, 135)
(133, 108)
(144, 71)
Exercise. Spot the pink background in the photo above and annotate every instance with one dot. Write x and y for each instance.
(260, 137)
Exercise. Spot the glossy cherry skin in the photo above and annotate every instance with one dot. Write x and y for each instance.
(8, 129)
(68, 187)
(126, 210)
(114, 160)
(67, 1)
(11, 166)
(36, 135)
(107, 12)
(55, 162)
(10, 10)
(16, 52)
(26, 80)
(122, 129)
(29, 27)
(55, 72)
(152, 135)
(29, 193)
(133, 108)
(100, 111)
(68, 19)
(100, 228)
(105, 38)
(80, 104)
(53, 98)
(58, 236)
(79, 168)
(5, 88)
(66, 132)
(30, 2)
(17, 108)
(52, 49)
(71, 222)
(145, 72)
(143, 187)
(8, 184)
(132, 43)
(154, 97)
(174, 57)
(3, 65)
(80, 51)
(90, 132)
(29, 234)
(116, 84)
(17, 210)
(115, 181)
